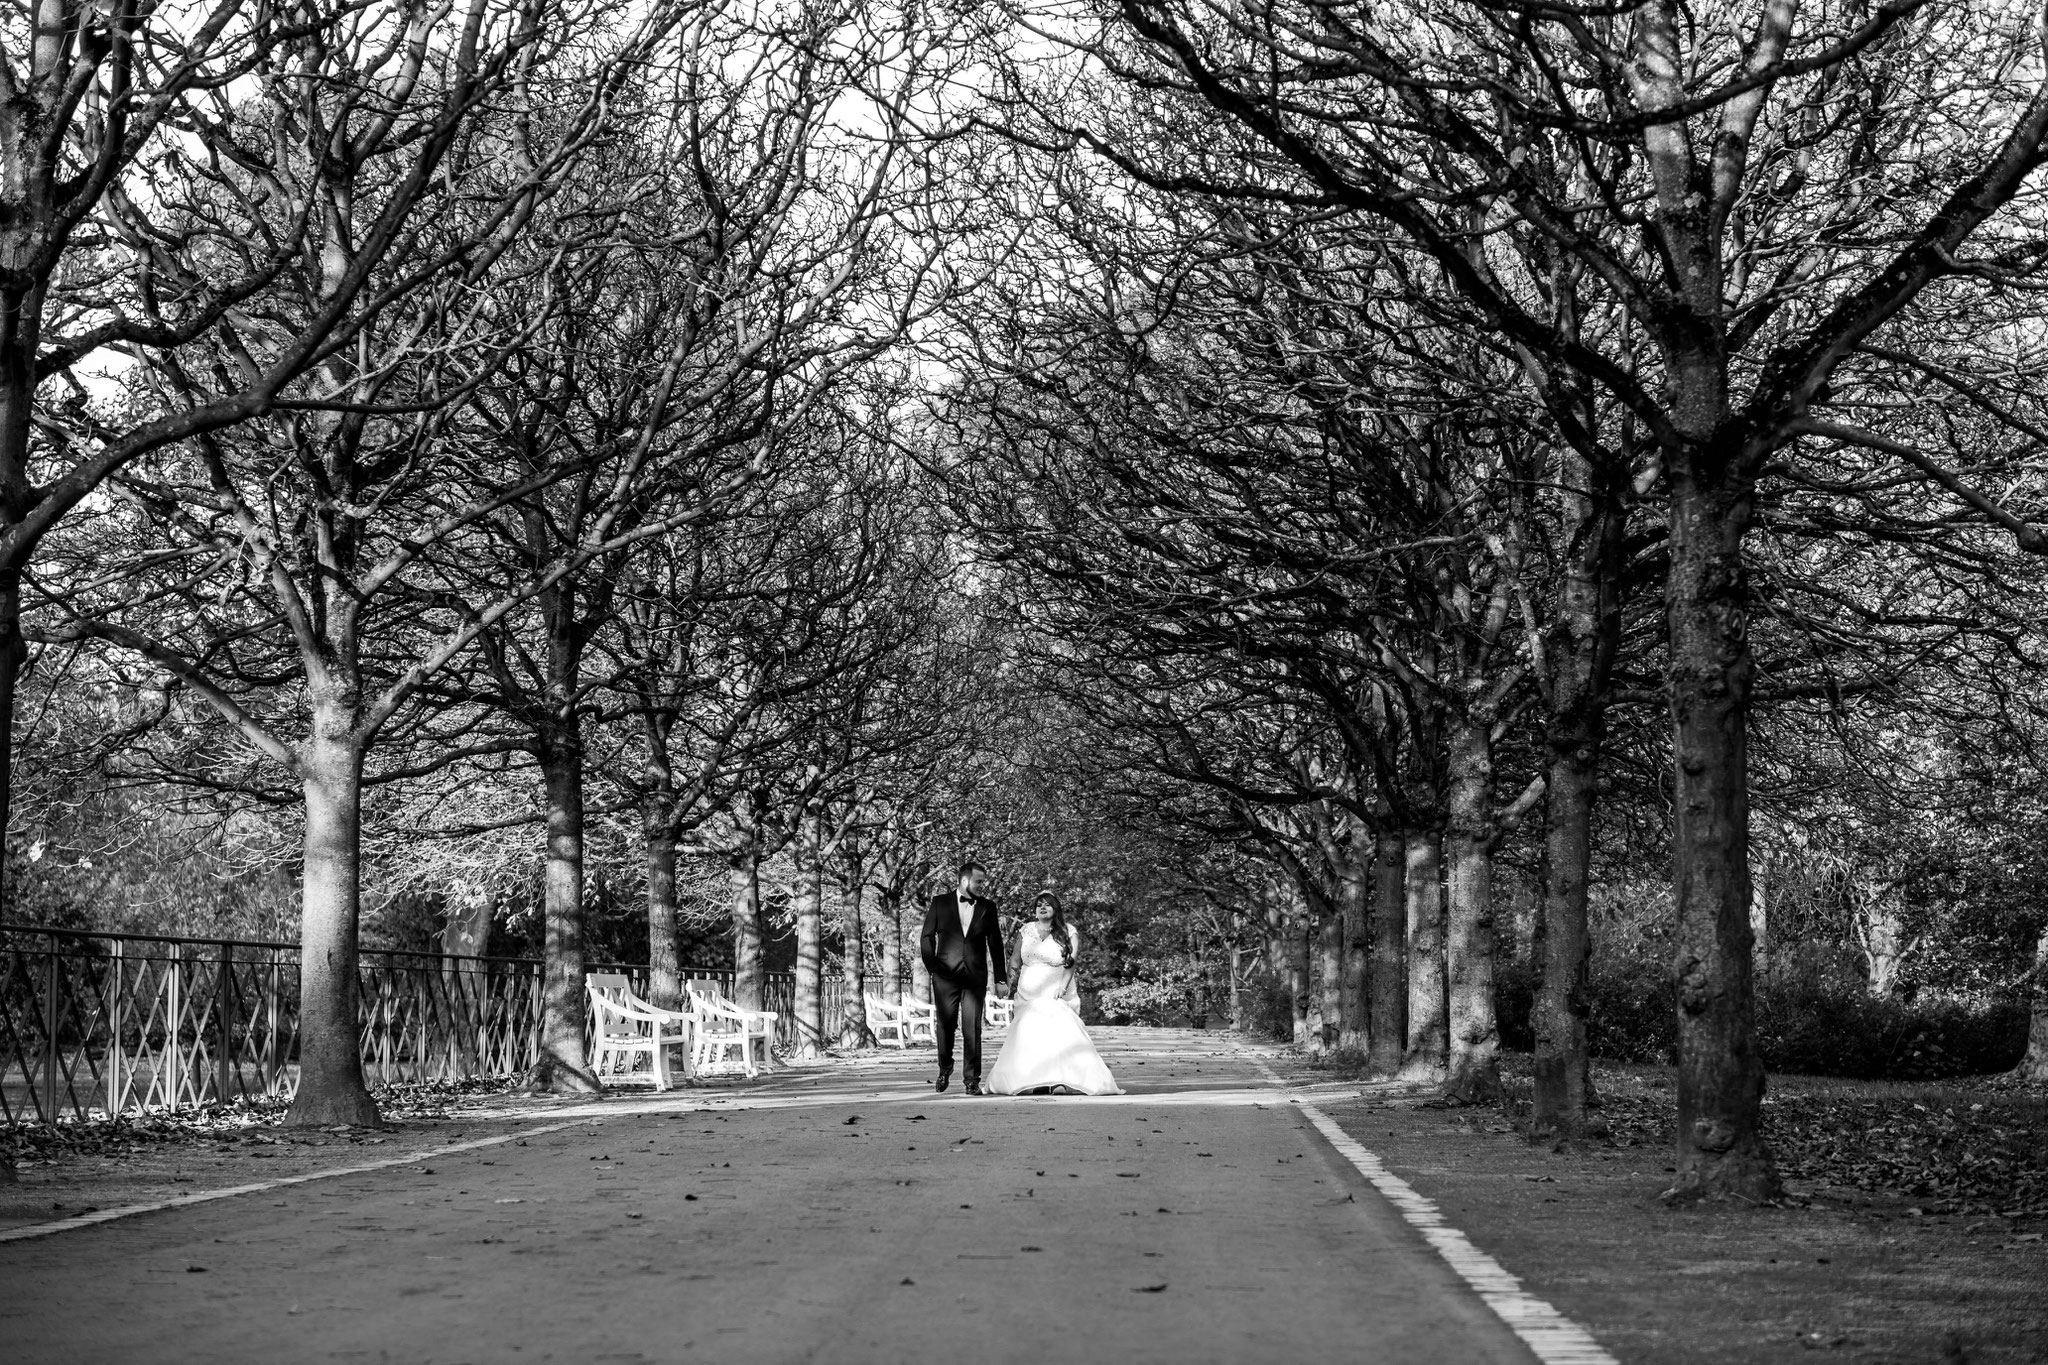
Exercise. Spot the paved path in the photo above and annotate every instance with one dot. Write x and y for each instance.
(830, 1215)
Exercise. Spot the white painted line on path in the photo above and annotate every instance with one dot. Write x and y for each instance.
(1555, 1338)
(230, 1192)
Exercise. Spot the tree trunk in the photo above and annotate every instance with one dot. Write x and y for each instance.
(749, 978)
(1563, 947)
(1760, 922)
(1474, 1072)
(664, 958)
(1387, 1031)
(466, 929)
(1428, 1026)
(1881, 934)
(853, 1023)
(562, 1066)
(1330, 978)
(892, 948)
(1582, 643)
(331, 1089)
(1354, 897)
(1720, 1075)
(1294, 941)
(13, 655)
(810, 945)
(1236, 965)
(1279, 960)
(465, 933)
(2034, 1064)
(920, 979)
(21, 326)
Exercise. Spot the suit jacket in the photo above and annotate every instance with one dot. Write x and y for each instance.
(963, 958)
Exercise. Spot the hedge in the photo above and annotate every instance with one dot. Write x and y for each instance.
(1803, 1028)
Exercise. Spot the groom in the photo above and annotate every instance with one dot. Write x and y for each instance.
(961, 937)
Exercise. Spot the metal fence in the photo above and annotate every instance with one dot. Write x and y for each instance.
(107, 1023)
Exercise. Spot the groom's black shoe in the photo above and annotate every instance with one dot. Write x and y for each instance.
(974, 1086)
(945, 1079)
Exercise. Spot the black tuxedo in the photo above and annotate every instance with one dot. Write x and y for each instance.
(959, 964)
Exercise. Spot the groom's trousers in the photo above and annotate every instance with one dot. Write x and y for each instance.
(959, 1010)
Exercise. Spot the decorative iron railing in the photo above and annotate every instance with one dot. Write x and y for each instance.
(108, 1023)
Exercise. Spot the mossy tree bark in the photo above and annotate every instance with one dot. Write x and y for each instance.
(1472, 1073)
(563, 1067)
(1428, 1033)
(1563, 951)
(892, 945)
(1354, 896)
(331, 1088)
(664, 957)
(749, 974)
(1721, 1151)
(853, 1024)
(1295, 938)
(2034, 1064)
(1387, 1041)
(13, 655)
(808, 902)
(1579, 650)
(1329, 936)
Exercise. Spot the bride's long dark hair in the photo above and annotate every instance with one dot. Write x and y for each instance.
(1057, 931)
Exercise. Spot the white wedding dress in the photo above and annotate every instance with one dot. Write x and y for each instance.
(1048, 1045)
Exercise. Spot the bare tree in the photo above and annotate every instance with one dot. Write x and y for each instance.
(285, 571)
(767, 266)
(164, 170)
(1707, 197)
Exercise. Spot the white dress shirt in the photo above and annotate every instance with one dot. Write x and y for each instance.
(967, 904)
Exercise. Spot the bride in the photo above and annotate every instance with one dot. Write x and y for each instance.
(1048, 1048)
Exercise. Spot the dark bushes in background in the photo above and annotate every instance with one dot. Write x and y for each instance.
(1811, 1026)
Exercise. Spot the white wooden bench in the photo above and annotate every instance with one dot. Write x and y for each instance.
(996, 1012)
(891, 1024)
(625, 1028)
(921, 1022)
(725, 1030)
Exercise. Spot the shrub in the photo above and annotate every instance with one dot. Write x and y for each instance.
(1267, 1011)
(1811, 1026)
(1147, 1002)
(1838, 1033)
